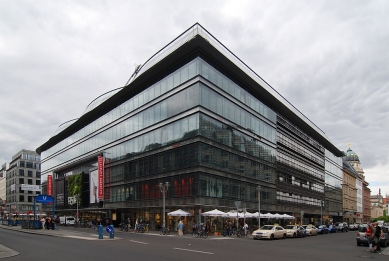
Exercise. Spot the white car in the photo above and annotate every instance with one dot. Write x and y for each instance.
(269, 232)
(293, 231)
(311, 230)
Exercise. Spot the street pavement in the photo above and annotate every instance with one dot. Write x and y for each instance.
(84, 234)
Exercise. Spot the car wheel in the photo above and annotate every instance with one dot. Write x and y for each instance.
(310, 234)
(283, 236)
(271, 237)
(294, 235)
(358, 243)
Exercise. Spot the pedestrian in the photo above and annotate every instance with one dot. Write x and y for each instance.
(43, 221)
(128, 224)
(136, 225)
(52, 223)
(57, 221)
(227, 228)
(180, 228)
(48, 223)
(245, 227)
(94, 223)
(369, 238)
(377, 236)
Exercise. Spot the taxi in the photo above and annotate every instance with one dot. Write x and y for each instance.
(294, 231)
(311, 230)
(269, 232)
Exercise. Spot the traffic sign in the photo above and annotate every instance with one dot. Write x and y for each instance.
(109, 229)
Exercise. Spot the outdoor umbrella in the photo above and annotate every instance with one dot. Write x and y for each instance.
(215, 213)
(180, 213)
(286, 216)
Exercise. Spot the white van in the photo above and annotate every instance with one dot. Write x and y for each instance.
(67, 220)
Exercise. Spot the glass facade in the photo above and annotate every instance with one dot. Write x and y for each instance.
(200, 129)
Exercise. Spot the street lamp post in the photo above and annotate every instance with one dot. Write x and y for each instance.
(163, 188)
(259, 205)
(76, 197)
(321, 210)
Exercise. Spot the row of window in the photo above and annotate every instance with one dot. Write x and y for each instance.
(298, 164)
(175, 132)
(294, 129)
(188, 71)
(295, 181)
(299, 148)
(190, 185)
(198, 154)
(28, 164)
(297, 199)
(22, 198)
(32, 157)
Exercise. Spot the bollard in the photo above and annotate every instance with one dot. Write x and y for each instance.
(100, 229)
(112, 234)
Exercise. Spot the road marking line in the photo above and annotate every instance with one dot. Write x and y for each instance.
(183, 249)
(139, 242)
(85, 238)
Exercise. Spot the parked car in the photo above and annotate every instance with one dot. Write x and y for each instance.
(351, 227)
(343, 227)
(332, 229)
(310, 230)
(322, 229)
(361, 236)
(384, 240)
(294, 231)
(269, 232)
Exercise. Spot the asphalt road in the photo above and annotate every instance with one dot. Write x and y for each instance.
(131, 246)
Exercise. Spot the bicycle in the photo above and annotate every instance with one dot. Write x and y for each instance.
(200, 233)
(164, 231)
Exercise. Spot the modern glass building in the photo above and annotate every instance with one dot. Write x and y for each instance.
(196, 116)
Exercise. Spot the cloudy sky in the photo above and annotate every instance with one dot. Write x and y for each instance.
(328, 58)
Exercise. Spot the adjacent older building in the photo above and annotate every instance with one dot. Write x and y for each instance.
(377, 205)
(196, 118)
(361, 186)
(23, 182)
(350, 177)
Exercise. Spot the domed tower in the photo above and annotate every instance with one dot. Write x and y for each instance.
(353, 159)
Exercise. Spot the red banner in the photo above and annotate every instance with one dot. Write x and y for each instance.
(49, 185)
(100, 175)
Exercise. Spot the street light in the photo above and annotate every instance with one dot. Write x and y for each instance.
(163, 188)
(259, 206)
(321, 209)
(76, 197)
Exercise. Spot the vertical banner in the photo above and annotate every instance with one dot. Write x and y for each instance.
(100, 174)
(49, 185)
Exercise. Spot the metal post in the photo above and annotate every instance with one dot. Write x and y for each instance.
(163, 188)
(76, 196)
(321, 210)
(259, 206)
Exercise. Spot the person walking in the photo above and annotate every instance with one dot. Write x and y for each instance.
(227, 229)
(57, 221)
(43, 221)
(48, 223)
(136, 225)
(180, 228)
(376, 238)
(369, 237)
(245, 227)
